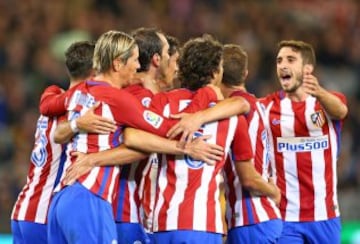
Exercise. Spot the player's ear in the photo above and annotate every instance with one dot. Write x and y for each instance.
(156, 59)
(308, 68)
(117, 64)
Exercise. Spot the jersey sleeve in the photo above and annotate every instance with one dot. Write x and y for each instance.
(340, 96)
(52, 101)
(241, 145)
(201, 100)
(129, 111)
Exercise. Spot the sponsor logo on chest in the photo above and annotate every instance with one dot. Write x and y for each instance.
(302, 144)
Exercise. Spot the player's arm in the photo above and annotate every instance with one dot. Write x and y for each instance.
(52, 101)
(89, 122)
(189, 123)
(197, 149)
(334, 105)
(251, 180)
(85, 162)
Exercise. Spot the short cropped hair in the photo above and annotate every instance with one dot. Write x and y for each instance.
(79, 59)
(306, 50)
(235, 65)
(149, 44)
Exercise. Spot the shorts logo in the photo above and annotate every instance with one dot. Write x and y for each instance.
(318, 118)
(153, 119)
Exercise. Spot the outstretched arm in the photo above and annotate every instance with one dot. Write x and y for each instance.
(189, 123)
(197, 149)
(85, 162)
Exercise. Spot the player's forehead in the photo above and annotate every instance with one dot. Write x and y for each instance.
(288, 52)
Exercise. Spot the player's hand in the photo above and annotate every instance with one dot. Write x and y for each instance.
(276, 196)
(187, 126)
(199, 149)
(90, 122)
(82, 165)
(311, 84)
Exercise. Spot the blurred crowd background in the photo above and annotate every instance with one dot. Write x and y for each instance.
(35, 33)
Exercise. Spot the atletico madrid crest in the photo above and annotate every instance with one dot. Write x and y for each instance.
(318, 118)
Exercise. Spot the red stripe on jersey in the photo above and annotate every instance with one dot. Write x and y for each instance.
(186, 208)
(168, 192)
(269, 210)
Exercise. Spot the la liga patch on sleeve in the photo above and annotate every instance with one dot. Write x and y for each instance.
(153, 119)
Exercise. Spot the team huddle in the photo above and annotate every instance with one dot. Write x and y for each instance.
(151, 135)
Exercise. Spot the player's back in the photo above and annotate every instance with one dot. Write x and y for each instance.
(188, 190)
(34, 199)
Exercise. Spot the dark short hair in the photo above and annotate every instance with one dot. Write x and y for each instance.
(199, 60)
(79, 59)
(306, 50)
(235, 65)
(174, 44)
(149, 44)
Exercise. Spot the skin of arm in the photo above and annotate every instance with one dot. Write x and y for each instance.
(252, 181)
(192, 122)
(85, 162)
(89, 122)
(197, 149)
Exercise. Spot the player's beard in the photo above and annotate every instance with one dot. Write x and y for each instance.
(298, 82)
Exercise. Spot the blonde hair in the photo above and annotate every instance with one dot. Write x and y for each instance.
(112, 45)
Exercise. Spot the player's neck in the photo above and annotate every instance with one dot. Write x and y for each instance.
(297, 96)
(228, 90)
(148, 81)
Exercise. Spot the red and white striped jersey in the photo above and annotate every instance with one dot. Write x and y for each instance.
(33, 201)
(305, 143)
(120, 106)
(242, 206)
(135, 178)
(44, 171)
(188, 190)
(136, 192)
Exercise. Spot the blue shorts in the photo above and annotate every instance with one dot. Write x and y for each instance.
(265, 232)
(28, 232)
(76, 215)
(131, 232)
(327, 231)
(187, 237)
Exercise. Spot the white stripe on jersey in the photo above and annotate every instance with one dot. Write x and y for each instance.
(292, 184)
(162, 183)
